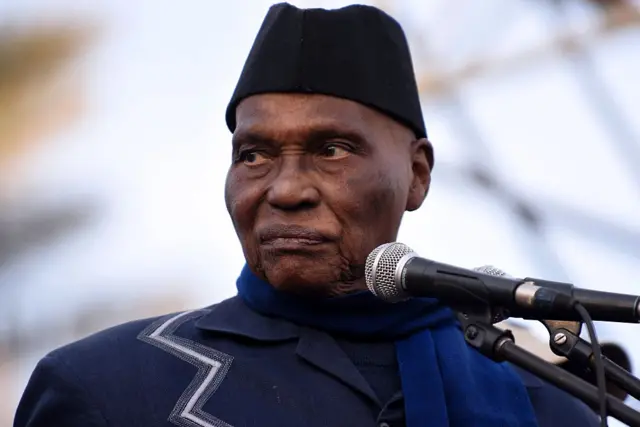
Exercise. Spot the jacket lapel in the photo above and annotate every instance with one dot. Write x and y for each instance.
(322, 351)
(233, 317)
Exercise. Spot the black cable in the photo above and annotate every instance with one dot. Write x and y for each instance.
(599, 365)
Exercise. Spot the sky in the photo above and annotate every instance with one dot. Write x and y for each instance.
(153, 150)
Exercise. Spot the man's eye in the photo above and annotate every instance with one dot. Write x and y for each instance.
(252, 157)
(335, 151)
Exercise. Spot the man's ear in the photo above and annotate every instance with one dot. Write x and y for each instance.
(421, 166)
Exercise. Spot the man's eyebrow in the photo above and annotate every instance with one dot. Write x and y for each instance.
(324, 133)
(311, 136)
(250, 137)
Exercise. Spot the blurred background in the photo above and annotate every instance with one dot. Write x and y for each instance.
(114, 150)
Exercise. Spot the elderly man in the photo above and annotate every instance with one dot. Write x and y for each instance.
(329, 151)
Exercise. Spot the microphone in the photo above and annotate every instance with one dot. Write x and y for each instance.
(394, 272)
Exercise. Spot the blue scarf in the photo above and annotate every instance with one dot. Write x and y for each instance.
(445, 382)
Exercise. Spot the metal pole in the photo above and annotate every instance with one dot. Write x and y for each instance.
(624, 139)
(484, 170)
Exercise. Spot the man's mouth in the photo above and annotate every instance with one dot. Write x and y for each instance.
(292, 240)
(283, 236)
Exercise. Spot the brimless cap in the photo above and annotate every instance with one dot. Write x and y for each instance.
(356, 52)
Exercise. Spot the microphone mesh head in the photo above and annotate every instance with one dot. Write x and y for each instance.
(491, 271)
(380, 271)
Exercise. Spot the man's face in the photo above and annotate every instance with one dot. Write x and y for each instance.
(316, 184)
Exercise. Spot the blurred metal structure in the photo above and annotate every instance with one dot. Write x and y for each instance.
(39, 226)
(443, 87)
(437, 85)
(38, 98)
(32, 62)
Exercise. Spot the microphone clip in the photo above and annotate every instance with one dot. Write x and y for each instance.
(479, 332)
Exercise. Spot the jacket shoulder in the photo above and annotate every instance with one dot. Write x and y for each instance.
(556, 408)
(553, 406)
(53, 396)
(68, 386)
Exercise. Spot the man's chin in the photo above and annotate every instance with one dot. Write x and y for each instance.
(301, 274)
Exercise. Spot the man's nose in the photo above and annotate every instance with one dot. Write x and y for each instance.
(293, 188)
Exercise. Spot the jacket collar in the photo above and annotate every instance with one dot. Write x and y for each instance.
(233, 317)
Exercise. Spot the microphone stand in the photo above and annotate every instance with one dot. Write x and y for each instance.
(565, 342)
(499, 346)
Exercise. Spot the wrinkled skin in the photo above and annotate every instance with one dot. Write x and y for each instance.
(316, 184)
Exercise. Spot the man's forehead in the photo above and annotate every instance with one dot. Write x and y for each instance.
(306, 112)
(318, 128)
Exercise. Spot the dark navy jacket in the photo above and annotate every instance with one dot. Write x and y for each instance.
(225, 366)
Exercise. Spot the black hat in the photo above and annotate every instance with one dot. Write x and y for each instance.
(356, 52)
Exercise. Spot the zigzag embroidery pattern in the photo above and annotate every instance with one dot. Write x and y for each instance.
(212, 365)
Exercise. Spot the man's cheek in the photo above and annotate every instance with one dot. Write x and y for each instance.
(370, 196)
(242, 200)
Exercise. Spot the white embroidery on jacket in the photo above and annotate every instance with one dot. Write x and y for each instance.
(212, 365)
